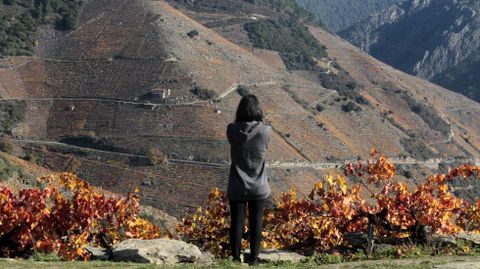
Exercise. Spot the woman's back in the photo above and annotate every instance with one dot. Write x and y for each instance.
(248, 176)
(248, 182)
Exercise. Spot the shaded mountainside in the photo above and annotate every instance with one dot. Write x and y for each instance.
(140, 94)
(436, 40)
(20, 20)
(338, 15)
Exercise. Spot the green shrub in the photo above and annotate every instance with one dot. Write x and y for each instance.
(192, 33)
(292, 40)
(6, 169)
(320, 108)
(35, 156)
(67, 22)
(242, 90)
(340, 82)
(344, 84)
(18, 30)
(351, 107)
(203, 93)
(428, 114)
(361, 100)
(328, 259)
(11, 113)
(45, 257)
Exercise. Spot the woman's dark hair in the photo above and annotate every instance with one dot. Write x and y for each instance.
(249, 109)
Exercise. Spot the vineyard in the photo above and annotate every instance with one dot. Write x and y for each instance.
(64, 215)
(377, 206)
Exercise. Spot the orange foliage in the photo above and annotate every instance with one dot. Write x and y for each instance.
(209, 229)
(64, 215)
(334, 208)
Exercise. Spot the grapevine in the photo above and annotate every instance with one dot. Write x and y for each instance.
(64, 215)
(376, 205)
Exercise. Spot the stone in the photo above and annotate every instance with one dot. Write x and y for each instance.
(99, 254)
(443, 240)
(156, 251)
(206, 258)
(275, 255)
(147, 183)
(471, 238)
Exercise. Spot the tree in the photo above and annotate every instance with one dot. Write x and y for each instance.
(67, 22)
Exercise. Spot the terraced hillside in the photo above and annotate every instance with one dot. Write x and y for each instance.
(140, 75)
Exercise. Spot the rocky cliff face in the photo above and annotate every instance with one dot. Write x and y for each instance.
(427, 38)
(338, 15)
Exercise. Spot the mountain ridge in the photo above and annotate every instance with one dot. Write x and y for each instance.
(341, 14)
(428, 49)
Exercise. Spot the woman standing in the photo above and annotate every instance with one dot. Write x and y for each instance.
(248, 183)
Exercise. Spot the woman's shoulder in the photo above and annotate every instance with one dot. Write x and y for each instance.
(232, 125)
(266, 128)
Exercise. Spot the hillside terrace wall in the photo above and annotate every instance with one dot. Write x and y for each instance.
(108, 28)
(177, 188)
(118, 79)
(110, 120)
(186, 132)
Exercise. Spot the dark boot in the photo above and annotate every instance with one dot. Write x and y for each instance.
(254, 261)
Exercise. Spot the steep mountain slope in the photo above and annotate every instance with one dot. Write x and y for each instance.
(140, 80)
(20, 20)
(436, 40)
(338, 15)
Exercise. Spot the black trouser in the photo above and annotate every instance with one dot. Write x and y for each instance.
(255, 220)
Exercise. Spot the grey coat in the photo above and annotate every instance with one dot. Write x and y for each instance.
(248, 175)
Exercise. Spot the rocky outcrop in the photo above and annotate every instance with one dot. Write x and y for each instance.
(157, 251)
(421, 37)
(99, 254)
(338, 15)
(275, 255)
(473, 239)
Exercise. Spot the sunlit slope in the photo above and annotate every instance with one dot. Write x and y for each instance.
(124, 82)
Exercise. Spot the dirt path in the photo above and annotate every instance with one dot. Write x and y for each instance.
(106, 100)
(130, 102)
(443, 262)
(314, 165)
